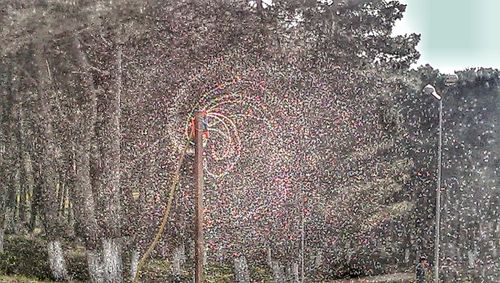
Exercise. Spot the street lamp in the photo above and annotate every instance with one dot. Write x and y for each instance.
(449, 81)
(429, 89)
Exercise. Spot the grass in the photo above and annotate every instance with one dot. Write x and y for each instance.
(27, 256)
(20, 279)
(25, 260)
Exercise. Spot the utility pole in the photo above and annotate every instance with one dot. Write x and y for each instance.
(198, 176)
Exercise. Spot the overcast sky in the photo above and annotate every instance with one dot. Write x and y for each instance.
(455, 34)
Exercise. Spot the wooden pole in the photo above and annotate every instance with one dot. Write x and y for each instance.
(302, 233)
(198, 176)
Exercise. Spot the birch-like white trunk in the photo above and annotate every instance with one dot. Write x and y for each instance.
(112, 261)
(269, 257)
(294, 273)
(472, 257)
(318, 260)
(241, 273)
(407, 255)
(278, 272)
(95, 267)
(178, 259)
(2, 209)
(2, 233)
(205, 257)
(10, 223)
(56, 261)
(133, 264)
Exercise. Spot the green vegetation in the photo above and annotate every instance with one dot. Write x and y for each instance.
(20, 279)
(25, 260)
(28, 257)
(322, 147)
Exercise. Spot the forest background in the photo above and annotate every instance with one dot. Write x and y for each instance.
(328, 124)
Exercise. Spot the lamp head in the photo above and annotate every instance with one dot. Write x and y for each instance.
(429, 89)
(451, 80)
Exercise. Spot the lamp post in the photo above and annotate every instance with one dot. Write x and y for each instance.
(429, 89)
(450, 80)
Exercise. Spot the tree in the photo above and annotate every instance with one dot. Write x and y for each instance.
(356, 33)
(107, 77)
(74, 16)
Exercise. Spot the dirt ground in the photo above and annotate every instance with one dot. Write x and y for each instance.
(391, 278)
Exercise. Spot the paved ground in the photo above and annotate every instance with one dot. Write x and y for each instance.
(391, 278)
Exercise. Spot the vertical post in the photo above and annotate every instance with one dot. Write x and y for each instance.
(302, 235)
(438, 196)
(198, 176)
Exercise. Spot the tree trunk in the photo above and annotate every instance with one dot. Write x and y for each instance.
(56, 260)
(21, 176)
(15, 225)
(23, 201)
(66, 207)
(133, 263)
(3, 145)
(94, 264)
(112, 260)
(36, 192)
(269, 257)
(10, 152)
(35, 204)
(82, 198)
(318, 260)
(102, 266)
(260, 7)
(2, 185)
(99, 179)
(52, 221)
(10, 223)
(12, 171)
(2, 234)
(110, 150)
(241, 273)
(178, 259)
(278, 272)
(60, 197)
(282, 274)
(25, 178)
(2, 216)
(294, 273)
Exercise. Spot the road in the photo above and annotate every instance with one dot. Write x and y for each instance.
(391, 278)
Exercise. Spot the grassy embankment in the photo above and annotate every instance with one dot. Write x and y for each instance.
(25, 260)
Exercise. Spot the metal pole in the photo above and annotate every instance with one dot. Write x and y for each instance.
(302, 236)
(198, 176)
(438, 196)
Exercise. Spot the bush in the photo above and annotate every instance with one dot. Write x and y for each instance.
(28, 257)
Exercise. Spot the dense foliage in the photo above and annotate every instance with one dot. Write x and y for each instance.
(317, 126)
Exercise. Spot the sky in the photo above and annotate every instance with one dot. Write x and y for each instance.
(455, 34)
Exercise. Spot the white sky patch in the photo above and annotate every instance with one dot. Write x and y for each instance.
(474, 44)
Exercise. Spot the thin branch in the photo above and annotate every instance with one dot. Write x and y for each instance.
(103, 72)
